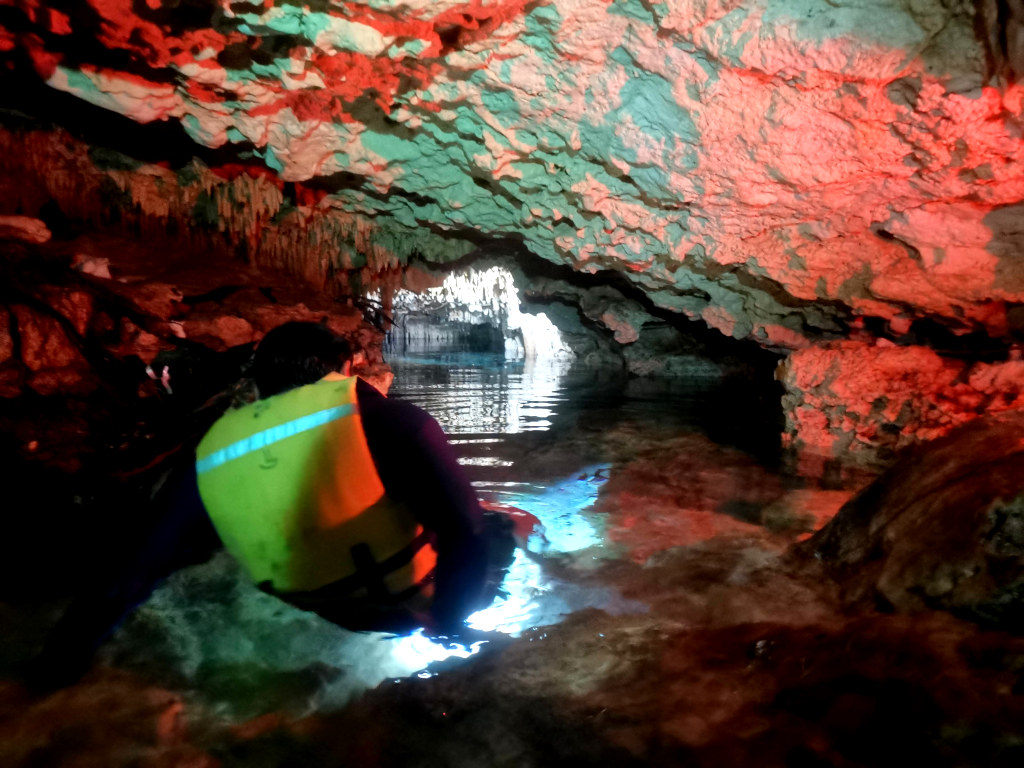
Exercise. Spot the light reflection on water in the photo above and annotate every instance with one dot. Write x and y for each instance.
(523, 432)
(480, 401)
(529, 599)
(482, 394)
(491, 408)
(416, 651)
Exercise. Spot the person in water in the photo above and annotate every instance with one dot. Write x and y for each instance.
(333, 498)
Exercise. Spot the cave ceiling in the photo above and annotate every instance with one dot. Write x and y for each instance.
(782, 170)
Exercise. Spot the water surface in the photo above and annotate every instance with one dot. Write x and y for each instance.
(545, 436)
(619, 471)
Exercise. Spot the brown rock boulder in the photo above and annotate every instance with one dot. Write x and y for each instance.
(6, 340)
(44, 344)
(943, 529)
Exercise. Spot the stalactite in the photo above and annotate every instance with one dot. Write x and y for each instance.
(213, 209)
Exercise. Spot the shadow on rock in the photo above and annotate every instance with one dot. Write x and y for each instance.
(942, 530)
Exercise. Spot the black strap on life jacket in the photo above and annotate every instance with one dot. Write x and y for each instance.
(369, 575)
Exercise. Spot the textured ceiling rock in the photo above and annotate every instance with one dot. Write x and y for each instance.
(770, 168)
(822, 177)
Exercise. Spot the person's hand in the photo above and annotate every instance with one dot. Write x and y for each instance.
(520, 524)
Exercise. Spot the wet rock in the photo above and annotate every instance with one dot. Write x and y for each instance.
(803, 509)
(6, 340)
(44, 344)
(720, 652)
(943, 529)
(129, 724)
(881, 691)
(25, 228)
(865, 401)
(727, 581)
(681, 491)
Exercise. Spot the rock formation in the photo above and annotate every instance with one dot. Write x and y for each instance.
(943, 529)
(822, 178)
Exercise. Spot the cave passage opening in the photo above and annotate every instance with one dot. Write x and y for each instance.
(563, 421)
(476, 311)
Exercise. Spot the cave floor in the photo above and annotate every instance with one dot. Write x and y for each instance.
(662, 617)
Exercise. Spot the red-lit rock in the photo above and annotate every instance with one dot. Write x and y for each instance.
(340, 319)
(219, 332)
(12, 379)
(6, 340)
(867, 400)
(942, 529)
(11, 371)
(23, 228)
(122, 705)
(44, 344)
(774, 172)
(153, 297)
(54, 360)
(135, 341)
(789, 174)
(62, 381)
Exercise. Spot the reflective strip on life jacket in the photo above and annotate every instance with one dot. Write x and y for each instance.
(270, 436)
(291, 488)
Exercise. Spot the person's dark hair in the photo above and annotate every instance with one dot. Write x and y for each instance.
(295, 354)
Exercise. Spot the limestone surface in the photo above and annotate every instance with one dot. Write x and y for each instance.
(791, 172)
(943, 529)
(866, 401)
(770, 168)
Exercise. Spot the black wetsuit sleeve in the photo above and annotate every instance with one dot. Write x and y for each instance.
(418, 467)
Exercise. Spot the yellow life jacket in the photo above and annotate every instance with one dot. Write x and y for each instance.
(292, 490)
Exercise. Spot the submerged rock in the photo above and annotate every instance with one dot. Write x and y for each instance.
(680, 639)
(874, 691)
(943, 529)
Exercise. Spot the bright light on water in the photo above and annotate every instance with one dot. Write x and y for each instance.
(416, 652)
(480, 406)
(560, 509)
(484, 461)
(521, 609)
(528, 599)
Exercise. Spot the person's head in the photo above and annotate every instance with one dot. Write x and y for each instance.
(295, 354)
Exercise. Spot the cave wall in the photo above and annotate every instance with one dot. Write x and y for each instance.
(814, 175)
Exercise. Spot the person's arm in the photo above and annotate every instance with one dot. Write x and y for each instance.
(418, 466)
(444, 502)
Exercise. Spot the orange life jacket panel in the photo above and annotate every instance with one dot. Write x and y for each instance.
(291, 488)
